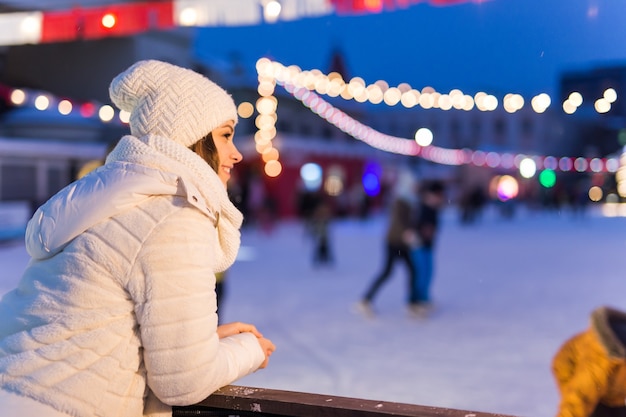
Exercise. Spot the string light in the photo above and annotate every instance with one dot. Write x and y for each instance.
(106, 113)
(357, 89)
(300, 84)
(65, 107)
(304, 86)
(423, 136)
(18, 97)
(44, 101)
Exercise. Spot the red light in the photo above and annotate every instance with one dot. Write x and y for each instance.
(359, 6)
(115, 20)
(87, 110)
(447, 2)
(109, 20)
(371, 6)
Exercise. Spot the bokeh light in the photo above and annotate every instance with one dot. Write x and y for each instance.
(273, 168)
(371, 178)
(270, 154)
(335, 183)
(311, 175)
(18, 97)
(106, 113)
(595, 193)
(124, 116)
(610, 95)
(527, 168)
(508, 188)
(87, 110)
(42, 102)
(602, 105)
(271, 10)
(424, 136)
(547, 178)
(245, 110)
(540, 102)
(108, 20)
(65, 107)
(575, 98)
(188, 17)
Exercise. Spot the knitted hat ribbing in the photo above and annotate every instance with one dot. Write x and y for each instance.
(170, 101)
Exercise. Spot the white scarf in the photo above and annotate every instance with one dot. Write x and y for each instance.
(165, 154)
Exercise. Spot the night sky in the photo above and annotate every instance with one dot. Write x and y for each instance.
(497, 46)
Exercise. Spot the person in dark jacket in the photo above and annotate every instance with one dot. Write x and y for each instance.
(590, 368)
(426, 226)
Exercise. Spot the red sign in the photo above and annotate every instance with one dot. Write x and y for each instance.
(377, 6)
(87, 23)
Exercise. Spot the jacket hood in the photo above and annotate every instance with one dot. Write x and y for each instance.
(103, 193)
(610, 326)
(136, 169)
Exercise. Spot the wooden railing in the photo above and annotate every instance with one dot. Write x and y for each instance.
(238, 401)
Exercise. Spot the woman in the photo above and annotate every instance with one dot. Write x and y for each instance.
(115, 315)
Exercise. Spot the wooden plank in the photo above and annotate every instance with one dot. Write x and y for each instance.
(269, 402)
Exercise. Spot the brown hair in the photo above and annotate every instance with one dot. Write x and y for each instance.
(205, 147)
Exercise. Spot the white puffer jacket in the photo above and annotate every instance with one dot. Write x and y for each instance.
(118, 301)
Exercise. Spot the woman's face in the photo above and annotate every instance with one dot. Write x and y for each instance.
(227, 153)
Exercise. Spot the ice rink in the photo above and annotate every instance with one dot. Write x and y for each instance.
(507, 293)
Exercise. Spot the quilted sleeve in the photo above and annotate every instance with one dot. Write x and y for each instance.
(564, 362)
(176, 311)
(581, 372)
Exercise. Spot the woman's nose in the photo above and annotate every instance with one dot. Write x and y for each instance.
(236, 155)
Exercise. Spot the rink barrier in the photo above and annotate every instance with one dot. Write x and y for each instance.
(240, 401)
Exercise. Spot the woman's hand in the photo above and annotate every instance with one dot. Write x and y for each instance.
(268, 348)
(231, 329)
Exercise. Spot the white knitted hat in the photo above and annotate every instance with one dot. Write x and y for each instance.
(170, 101)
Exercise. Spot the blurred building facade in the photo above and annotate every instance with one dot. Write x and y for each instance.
(83, 70)
(42, 151)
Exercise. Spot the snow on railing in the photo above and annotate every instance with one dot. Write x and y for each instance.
(260, 402)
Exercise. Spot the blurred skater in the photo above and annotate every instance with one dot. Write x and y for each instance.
(432, 199)
(396, 243)
(319, 227)
(471, 204)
